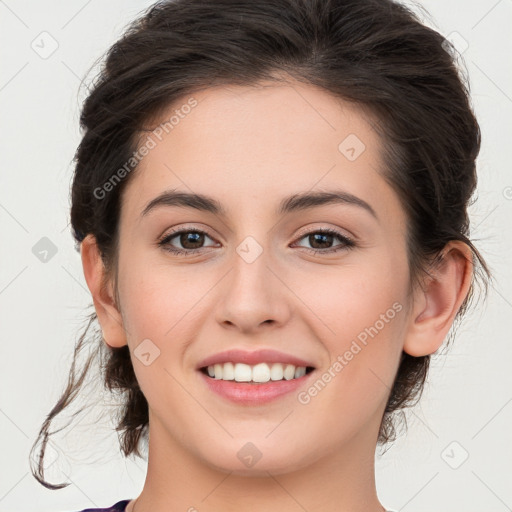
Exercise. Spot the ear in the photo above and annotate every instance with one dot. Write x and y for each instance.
(439, 298)
(101, 289)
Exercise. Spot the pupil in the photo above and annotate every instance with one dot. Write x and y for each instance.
(322, 236)
(186, 238)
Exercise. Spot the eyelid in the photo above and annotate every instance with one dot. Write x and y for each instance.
(347, 241)
(335, 230)
(303, 231)
(181, 229)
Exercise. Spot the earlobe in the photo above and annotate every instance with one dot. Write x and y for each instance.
(100, 287)
(439, 299)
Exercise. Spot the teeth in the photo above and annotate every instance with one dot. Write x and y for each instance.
(261, 372)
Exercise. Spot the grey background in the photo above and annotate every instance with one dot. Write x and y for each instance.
(458, 451)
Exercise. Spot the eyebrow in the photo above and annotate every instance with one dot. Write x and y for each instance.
(293, 203)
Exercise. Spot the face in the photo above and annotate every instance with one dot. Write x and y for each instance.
(260, 272)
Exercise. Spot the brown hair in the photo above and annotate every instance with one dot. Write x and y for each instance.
(375, 53)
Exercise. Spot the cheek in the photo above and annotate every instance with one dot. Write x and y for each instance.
(350, 299)
(160, 307)
(158, 299)
(346, 302)
(360, 314)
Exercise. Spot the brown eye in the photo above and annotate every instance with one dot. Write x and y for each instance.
(191, 240)
(321, 240)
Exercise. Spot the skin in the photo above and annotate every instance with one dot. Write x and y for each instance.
(249, 147)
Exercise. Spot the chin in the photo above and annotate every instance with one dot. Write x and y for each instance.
(255, 460)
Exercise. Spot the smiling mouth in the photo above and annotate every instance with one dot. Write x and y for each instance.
(261, 373)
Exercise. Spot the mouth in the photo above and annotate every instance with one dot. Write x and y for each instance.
(254, 378)
(261, 373)
(255, 385)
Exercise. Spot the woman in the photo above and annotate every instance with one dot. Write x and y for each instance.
(271, 204)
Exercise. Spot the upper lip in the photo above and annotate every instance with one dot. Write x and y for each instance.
(253, 357)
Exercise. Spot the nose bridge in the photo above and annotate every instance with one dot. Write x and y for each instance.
(250, 278)
(252, 295)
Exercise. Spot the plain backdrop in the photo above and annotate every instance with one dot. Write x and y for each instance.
(457, 453)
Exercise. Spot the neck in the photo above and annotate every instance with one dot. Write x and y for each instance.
(335, 482)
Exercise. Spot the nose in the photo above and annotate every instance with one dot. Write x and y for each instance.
(253, 295)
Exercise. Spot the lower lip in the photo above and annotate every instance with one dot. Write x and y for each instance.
(253, 394)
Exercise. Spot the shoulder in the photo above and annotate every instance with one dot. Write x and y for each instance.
(120, 506)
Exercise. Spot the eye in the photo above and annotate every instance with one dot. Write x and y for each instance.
(190, 240)
(325, 237)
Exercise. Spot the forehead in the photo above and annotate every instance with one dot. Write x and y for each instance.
(265, 141)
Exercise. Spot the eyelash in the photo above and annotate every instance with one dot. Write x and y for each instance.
(347, 243)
